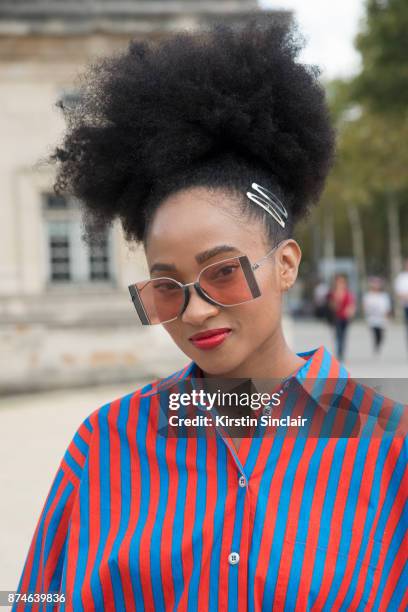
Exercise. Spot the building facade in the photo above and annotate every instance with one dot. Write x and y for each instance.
(65, 314)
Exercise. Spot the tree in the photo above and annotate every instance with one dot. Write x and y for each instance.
(382, 87)
(370, 169)
(367, 191)
(383, 44)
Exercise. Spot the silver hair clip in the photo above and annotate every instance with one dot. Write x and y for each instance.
(269, 202)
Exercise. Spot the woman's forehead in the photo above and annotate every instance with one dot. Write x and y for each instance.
(193, 220)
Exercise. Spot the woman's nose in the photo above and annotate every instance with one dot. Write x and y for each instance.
(198, 309)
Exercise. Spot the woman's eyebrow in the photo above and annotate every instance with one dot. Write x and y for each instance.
(221, 248)
(200, 258)
(162, 267)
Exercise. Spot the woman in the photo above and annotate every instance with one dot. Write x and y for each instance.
(209, 148)
(343, 307)
(401, 291)
(377, 308)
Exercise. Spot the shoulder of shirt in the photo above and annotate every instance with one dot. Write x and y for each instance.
(391, 415)
(106, 417)
(353, 395)
(143, 393)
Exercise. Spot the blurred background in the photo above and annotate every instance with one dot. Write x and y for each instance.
(65, 315)
(69, 336)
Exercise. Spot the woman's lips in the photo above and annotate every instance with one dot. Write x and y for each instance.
(210, 341)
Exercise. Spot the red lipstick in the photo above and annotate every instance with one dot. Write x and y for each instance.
(211, 338)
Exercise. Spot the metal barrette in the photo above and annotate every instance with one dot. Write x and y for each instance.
(269, 202)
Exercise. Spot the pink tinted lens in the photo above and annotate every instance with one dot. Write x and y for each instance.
(226, 282)
(162, 299)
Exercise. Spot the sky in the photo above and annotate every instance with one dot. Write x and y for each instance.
(329, 27)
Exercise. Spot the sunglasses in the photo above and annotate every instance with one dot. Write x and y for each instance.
(229, 282)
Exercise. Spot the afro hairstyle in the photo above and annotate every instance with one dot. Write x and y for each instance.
(221, 108)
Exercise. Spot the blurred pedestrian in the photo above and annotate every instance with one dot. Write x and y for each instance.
(320, 293)
(376, 307)
(401, 290)
(342, 305)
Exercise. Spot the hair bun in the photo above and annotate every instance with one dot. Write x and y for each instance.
(160, 107)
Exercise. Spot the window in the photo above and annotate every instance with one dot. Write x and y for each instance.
(59, 252)
(56, 202)
(69, 258)
(68, 99)
(99, 260)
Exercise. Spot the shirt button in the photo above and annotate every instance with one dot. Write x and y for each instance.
(233, 558)
(267, 410)
(242, 481)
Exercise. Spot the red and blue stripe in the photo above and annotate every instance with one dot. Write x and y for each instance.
(138, 521)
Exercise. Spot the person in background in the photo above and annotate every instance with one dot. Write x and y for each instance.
(342, 305)
(320, 299)
(377, 307)
(401, 290)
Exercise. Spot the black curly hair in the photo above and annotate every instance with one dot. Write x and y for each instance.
(221, 108)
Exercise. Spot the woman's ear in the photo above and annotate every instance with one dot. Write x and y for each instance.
(289, 256)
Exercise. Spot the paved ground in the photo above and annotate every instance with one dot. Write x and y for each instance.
(359, 360)
(35, 430)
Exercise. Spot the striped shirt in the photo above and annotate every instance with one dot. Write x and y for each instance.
(139, 521)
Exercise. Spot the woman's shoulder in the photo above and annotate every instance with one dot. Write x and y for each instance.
(113, 422)
(380, 404)
(382, 413)
(137, 400)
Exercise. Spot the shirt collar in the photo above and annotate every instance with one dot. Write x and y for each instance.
(322, 377)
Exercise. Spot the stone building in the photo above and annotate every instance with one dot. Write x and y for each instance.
(65, 314)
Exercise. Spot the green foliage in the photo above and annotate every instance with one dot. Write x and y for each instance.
(371, 163)
(371, 118)
(383, 44)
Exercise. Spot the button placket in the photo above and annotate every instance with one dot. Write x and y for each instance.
(267, 410)
(242, 481)
(233, 558)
